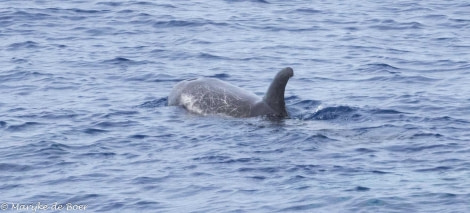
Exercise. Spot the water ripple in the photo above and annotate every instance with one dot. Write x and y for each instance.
(22, 127)
(155, 103)
(377, 107)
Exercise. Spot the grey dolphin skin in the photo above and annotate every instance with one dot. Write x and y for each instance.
(213, 96)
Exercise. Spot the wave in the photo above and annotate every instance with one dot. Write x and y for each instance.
(3, 124)
(22, 127)
(308, 11)
(187, 23)
(110, 3)
(219, 76)
(23, 45)
(411, 149)
(151, 77)
(94, 131)
(390, 24)
(155, 103)
(119, 113)
(332, 113)
(212, 56)
(254, 1)
(16, 75)
(400, 79)
(312, 110)
(13, 167)
(216, 159)
(380, 67)
(124, 61)
(116, 124)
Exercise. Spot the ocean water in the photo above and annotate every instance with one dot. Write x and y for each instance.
(379, 106)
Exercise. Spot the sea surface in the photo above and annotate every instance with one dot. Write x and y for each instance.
(379, 106)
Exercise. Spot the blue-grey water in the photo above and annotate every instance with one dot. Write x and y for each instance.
(379, 106)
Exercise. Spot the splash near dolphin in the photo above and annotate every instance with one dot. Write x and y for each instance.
(212, 96)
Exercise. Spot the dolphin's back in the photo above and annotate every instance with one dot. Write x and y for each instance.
(212, 96)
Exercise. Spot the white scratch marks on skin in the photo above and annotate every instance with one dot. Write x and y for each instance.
(189, 101)
(209, 99)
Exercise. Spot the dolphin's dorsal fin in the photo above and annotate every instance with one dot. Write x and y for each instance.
(275, 95)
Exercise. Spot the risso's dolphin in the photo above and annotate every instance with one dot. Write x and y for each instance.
(212, 96)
